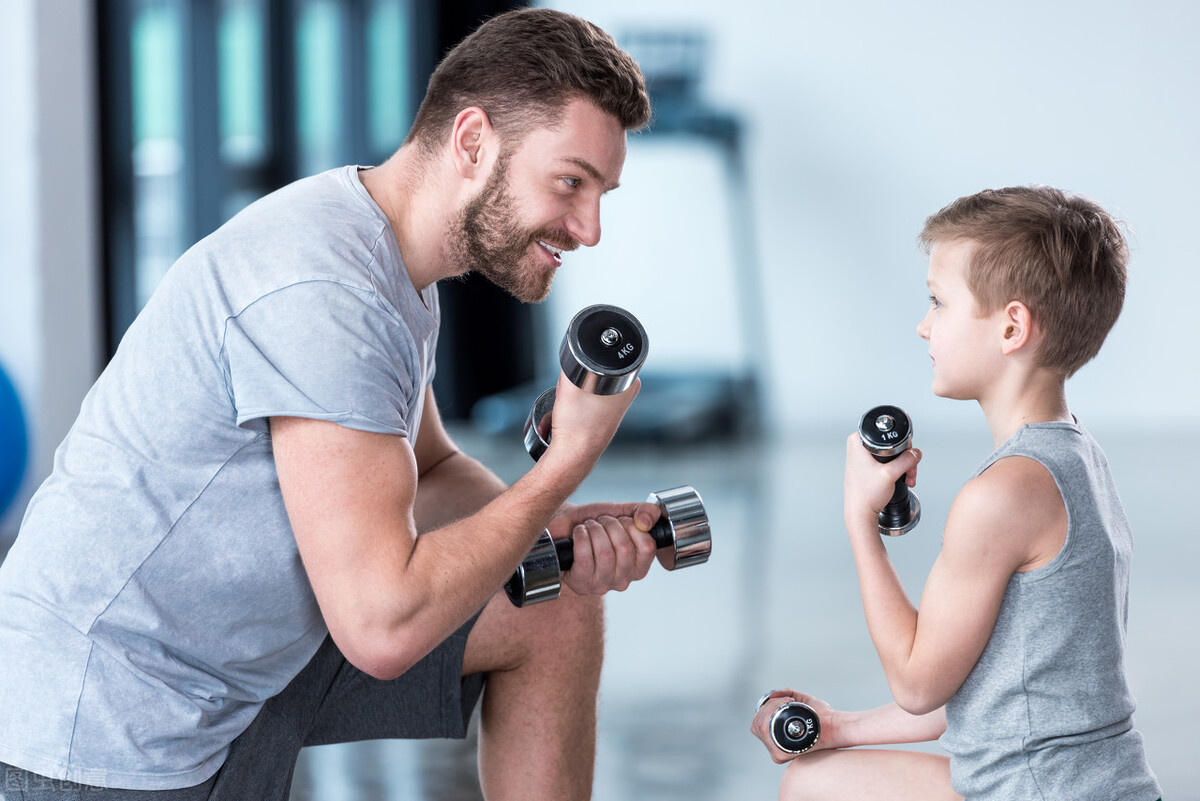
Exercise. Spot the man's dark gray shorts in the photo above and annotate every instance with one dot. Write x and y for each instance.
(330, 701)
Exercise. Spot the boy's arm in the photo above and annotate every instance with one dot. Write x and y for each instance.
(885, 725)
(1009, 519)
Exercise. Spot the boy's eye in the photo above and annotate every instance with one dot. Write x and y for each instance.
(934, 302)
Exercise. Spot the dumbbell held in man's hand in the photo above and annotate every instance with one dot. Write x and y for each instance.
(601, 353)
(681, 534)
(886, 432)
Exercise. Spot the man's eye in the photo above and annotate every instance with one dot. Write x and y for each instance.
(571, 182)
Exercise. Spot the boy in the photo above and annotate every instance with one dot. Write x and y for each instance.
(1016, 657)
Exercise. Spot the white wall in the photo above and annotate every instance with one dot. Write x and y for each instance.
(866, 117)
(49, 263)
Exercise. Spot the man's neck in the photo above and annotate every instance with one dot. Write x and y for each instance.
(419, 211)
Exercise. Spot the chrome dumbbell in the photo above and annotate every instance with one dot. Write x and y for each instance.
(681, 534)
(601, 353)
(794, 726)
(886, 432)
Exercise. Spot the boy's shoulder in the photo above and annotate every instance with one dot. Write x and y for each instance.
(1017, 501)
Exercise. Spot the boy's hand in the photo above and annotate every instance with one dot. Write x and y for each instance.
(612, 547)
(869, 484)
(760, 725)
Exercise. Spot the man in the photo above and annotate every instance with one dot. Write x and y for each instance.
(225, 565)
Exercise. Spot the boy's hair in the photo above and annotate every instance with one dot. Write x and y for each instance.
(522, 68)
(1061, 255)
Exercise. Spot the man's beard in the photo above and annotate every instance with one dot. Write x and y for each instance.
(485, 240)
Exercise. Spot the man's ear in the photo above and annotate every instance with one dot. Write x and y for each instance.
(472, 140)
(1018, 327)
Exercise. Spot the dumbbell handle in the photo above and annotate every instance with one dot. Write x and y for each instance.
(681, 535)
(895, 514)
(565, 548)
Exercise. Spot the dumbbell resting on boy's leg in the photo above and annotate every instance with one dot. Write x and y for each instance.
(602, 352)
(794, 726)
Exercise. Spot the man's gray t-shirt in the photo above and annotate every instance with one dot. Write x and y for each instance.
(155, 598)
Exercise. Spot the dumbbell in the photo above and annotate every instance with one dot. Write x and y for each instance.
(794, 726)
(886, 432)
(681, 534)
(602, 351)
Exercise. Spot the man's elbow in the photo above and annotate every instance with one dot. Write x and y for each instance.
(379, 657)
(383, 649)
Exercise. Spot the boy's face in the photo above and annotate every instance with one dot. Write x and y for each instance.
(964, 346)
(543, 199)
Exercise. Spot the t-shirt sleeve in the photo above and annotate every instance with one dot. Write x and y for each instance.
(322, 350)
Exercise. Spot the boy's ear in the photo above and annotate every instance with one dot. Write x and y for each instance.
(1018, 327)
(471, 141)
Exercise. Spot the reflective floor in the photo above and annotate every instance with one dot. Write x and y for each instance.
(690, 652)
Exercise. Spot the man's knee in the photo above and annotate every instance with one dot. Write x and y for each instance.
(569, 629)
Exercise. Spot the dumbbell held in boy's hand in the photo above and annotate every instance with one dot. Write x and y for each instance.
(886, 432)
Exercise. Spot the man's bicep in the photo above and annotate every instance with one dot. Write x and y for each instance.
(349, 496)
(433, 445)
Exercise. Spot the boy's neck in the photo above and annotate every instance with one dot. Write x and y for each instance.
(1039, 398)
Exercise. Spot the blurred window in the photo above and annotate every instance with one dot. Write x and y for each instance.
(209, 104)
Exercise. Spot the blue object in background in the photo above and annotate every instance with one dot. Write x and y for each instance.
(14, 443)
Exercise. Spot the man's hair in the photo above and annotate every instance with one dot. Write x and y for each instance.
(1061, 255)
(522, 68)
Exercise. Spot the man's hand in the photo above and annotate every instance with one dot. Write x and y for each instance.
(612, 547)
(583, 424)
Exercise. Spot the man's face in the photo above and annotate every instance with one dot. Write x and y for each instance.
(541, 199)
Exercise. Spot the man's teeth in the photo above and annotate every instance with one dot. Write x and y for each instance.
(557, 252)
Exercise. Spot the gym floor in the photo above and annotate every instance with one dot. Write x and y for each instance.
(690, 653)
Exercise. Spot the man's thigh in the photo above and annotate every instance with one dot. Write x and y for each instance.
(21, 785)
(504, 636)
(432, 699)
(330, 701)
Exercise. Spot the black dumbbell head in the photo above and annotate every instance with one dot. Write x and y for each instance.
(603, 349)
(885, 431)
(795, 727)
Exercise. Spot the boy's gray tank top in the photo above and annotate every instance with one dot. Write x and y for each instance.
(1046, 713)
